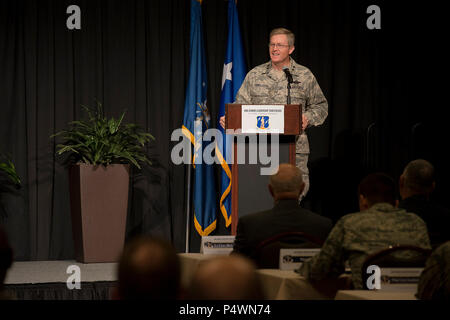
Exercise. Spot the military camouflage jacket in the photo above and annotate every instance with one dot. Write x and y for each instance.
(263, 85)
(434, 281)
(357, 235)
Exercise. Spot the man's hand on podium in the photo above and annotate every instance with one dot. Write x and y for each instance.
(222, 121)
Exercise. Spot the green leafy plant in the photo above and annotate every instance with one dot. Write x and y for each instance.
(102, 141)
(9, 181)
(8, 170)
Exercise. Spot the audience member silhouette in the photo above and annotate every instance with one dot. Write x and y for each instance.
(416, 185)
(285, 187)
(6, 259)
(378, 225)
(226, 278)
(149, 268)
(434, 282)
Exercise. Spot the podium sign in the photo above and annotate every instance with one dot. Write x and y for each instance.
(263, 119)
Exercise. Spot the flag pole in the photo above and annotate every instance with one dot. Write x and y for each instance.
(188, 208)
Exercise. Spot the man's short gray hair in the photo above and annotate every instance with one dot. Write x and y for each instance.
(419, 176)
(290, 35)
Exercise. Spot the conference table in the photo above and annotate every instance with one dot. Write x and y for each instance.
(289, 285)
(387, 292)
(277, 284)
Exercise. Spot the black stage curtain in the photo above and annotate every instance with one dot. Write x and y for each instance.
(383, 89)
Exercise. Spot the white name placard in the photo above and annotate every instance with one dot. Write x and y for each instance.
(400, 275)
(263, 119)
(291, 259)
(217, 244)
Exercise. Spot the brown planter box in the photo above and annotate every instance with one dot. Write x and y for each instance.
(99, 204)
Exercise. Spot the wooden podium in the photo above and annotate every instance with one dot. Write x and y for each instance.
(250, 193)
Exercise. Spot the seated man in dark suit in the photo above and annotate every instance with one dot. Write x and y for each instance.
(416, 185)
(285, 187)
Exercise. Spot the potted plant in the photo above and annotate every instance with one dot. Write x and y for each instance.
(9, 179)
(101, 151)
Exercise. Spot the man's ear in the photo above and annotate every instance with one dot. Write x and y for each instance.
(291, 50)
(363, 203)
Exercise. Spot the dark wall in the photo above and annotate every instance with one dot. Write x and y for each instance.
(384, 88)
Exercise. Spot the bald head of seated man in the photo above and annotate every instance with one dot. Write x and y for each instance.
(287, 183)
(225, 278)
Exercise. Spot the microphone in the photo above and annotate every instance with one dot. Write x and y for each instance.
(288, 74)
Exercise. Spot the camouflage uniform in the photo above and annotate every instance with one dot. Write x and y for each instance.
(265, 85)
(357, 235)
(434, 281)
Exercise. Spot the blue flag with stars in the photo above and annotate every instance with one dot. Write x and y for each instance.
(196, 121)
(234, 71)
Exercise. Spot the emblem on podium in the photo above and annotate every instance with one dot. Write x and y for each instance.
(262, 122)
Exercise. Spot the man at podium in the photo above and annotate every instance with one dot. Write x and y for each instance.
(268, 84)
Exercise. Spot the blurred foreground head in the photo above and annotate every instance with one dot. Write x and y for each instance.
(434, 282)
(149, 269)
(226, 278)
(6, 256)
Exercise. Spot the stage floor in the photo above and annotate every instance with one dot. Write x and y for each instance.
(49, 280)
(31, 272)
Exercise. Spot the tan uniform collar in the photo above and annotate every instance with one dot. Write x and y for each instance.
(292, 64)
(272, 73)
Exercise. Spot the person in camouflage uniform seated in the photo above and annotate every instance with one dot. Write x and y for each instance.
(267, 84)
(434, 282)
(378, 225)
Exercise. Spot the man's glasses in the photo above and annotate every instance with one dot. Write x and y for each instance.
(277, 45)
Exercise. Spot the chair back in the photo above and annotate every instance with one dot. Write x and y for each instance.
(397, 256)
(267, 252)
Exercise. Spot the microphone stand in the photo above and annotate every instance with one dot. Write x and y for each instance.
(289, 80)
(289, 92)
